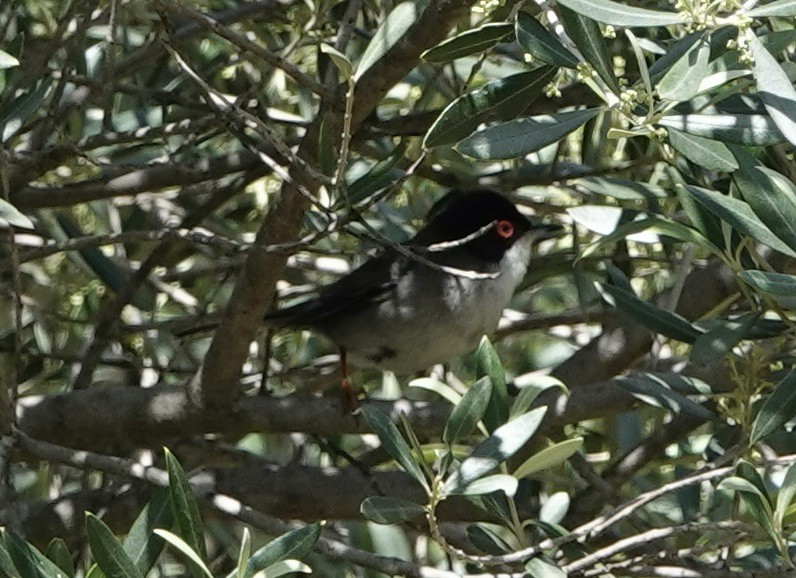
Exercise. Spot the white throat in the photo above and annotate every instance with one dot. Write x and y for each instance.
(514, 263)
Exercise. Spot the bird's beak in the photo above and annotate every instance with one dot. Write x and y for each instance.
(543, 231)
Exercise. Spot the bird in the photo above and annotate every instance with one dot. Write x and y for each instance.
(432, 298)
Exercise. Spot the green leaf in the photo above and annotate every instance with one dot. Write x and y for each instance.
(28, 561)
(770, 195)
(656, 392)
(378, 177)
(58, 552)
(718, 79)
(540, 43)
(738, 484)
(744, 129)
(708, 153)
(600, 219)
(680, 383)
(681, 82)
(607, 219)
(755, 499)
(282, 568)
(15, 114)
(503, 99)
(13, 216)
(488, 484)
(488, 364)
(774, 88)
(184, 507)
(659, 320)
(244, 553)
(387, 510)
(389, 33)
(519, 137)
(778, 8)
(588, 37)
(6, 565)
(107, 551)
(549, 457)
(498, 447)
(641, 61)
(785, 496)
(739, 216)
(554, 508)
(781, 287)
(656, 225)
(197, 565)
(139, 543)
(778, 41)
(719, 341)
(622, 189)
(530, 391)
(443, 390)
(469, 42)
(393, 442)
(617, 278)
(618, 14)
(778, 408)
(706, 223)
(539, 568)
(468, 412)
(496, 505)
(340, 60)
(7, 61)
(758, 501)
(294, 544)
(95, 572)
(674, 52)
(487, 541)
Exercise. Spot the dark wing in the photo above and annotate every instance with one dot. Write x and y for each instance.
(367, 285)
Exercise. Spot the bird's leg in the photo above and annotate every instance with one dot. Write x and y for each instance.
(350, 398)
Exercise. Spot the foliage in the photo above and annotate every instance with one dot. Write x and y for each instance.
(137, 555)
(169, 166)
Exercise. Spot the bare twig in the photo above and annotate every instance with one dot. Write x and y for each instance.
(651, 536)
(133, 182)
(246, 45)
(227, 108)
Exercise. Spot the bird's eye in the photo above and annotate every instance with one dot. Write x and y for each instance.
(505, 229)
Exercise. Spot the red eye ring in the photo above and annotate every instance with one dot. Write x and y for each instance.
(505, 229)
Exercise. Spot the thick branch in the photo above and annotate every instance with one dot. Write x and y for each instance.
(136, 181)
(119, 419)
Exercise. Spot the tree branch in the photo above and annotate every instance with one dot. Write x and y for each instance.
(120, 419)
(136, 181)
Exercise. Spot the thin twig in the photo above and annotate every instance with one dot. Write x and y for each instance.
(239, 40)
(223, 244)
(227, 108)
(649, 536)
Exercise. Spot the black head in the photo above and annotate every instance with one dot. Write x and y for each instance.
(462, 213)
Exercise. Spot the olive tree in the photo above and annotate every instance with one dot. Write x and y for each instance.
(170, 171)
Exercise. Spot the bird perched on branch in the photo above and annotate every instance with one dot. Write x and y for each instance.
(432, 298)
